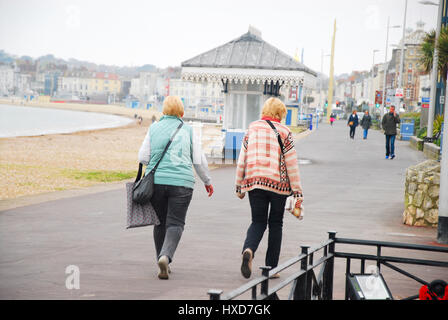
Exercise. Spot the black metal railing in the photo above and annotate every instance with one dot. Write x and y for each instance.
(307, 286)
(387, 261)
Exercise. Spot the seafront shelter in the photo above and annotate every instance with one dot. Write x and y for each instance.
(249, 71)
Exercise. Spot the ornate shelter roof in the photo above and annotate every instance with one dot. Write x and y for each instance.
(247, 58)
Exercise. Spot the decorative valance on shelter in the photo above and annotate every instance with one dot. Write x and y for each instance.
(248, 59)
(250, 70)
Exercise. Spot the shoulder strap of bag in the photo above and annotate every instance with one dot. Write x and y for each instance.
(277, 134)
(139, 174)
(140, 166)
(167, 146)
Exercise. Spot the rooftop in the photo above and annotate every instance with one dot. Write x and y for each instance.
(249, 51)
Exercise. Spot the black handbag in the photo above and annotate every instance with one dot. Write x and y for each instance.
(144, 188)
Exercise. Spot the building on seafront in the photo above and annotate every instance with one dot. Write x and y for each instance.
(102, 86)
(412, 67)
(248, 71)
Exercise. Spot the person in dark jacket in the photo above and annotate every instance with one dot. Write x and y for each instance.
(353, 123)
(366, 123)
(389, 124)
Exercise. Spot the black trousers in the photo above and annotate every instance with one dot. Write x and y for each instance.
(267, 210)
(352, 131)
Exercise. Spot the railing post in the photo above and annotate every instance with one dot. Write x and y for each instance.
(347, 272)
(309, 276)
(265, 283)
(300, 285)
(378, 262)
(215, 294)
(327, 279)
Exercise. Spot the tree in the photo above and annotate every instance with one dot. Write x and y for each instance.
(427, 50)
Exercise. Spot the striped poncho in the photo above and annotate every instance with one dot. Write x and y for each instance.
(261, 164)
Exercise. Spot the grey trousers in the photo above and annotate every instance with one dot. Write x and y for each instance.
(171, 205)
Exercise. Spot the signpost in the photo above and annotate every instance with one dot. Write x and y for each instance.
(399, 92)
(425, 102)
(388, 101)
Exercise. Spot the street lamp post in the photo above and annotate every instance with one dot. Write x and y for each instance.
(372, 86)
(321, 73)
(400, 75)
(434, 71)
(386, 65)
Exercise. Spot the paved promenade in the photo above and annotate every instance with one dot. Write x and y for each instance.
(348, 187)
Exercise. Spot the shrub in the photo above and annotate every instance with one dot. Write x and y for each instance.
(421, 133)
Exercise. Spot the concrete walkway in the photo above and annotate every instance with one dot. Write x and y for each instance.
(348, 186)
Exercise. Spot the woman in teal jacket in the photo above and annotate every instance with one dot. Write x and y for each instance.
(174, 178)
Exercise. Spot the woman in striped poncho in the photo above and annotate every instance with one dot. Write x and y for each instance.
(268, 171)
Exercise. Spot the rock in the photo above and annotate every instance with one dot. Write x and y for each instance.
(434, 191)
(420, 223)
(422, 187)
(409, 220)
(405, 214)
(427, 203)
(420, 213)
(418, 199)
(412, 188)
(428, 179)
(436, 178)
(420, 176)
(432, 216)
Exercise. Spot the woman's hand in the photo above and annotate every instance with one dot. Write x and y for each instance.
(209, 190)
(240, 195)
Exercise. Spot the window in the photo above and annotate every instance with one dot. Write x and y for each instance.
(409, 77)
(408, 93)
(410, 66)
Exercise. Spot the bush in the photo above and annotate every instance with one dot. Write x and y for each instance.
(421, 133)
(437, 125)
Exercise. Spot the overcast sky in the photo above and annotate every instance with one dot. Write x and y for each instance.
(165, 33)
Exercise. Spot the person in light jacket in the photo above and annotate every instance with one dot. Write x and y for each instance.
(174, 178)
(269, 175)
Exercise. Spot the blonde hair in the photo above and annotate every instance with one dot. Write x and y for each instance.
(274, 108)
(173, 106)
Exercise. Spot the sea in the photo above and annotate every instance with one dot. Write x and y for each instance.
(17, 121)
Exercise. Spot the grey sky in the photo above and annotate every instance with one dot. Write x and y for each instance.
(165, 33)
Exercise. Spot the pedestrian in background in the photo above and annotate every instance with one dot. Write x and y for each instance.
(366, 123)
(332, 118)
(389, 124)
(353, 123)
(268, 171)
(174, 178)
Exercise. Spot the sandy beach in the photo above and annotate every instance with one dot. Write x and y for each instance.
(56, 162)
(47, 163)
